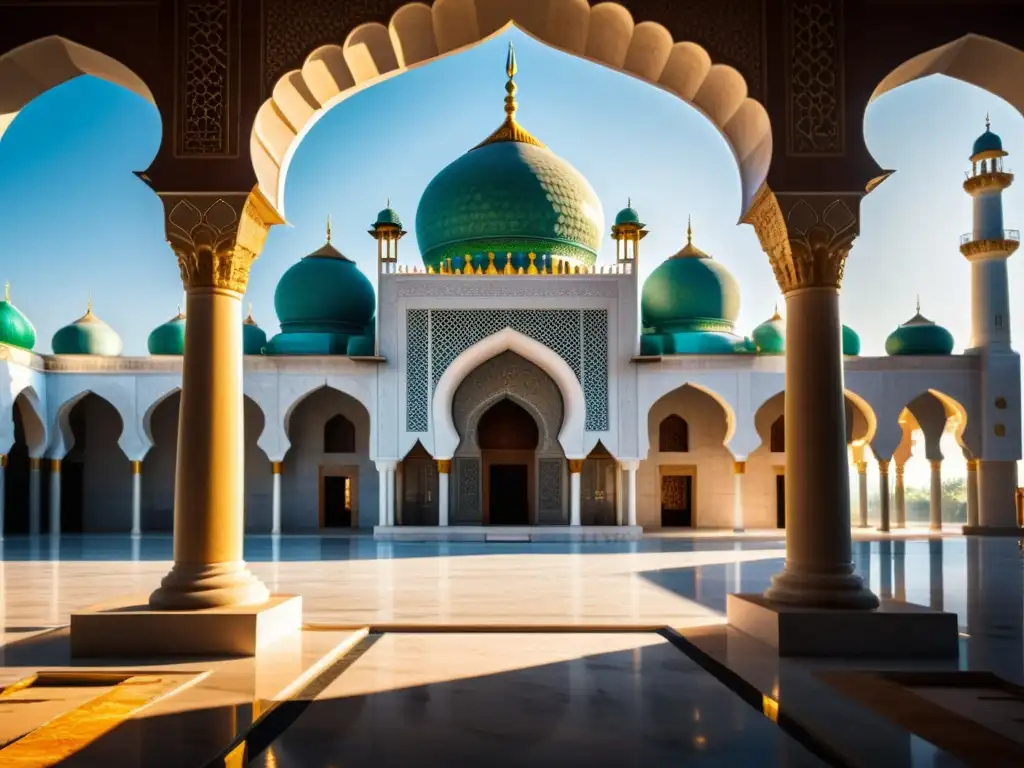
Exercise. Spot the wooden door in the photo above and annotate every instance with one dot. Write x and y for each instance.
(677, 501)
(419, 492)
(597, 490)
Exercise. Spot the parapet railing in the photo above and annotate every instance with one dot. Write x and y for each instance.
(392, 268)
(1008, 234)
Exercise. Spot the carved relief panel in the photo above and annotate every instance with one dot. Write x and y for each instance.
(206, 78)
(814, 77)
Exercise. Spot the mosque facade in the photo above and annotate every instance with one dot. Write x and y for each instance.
(510, 380)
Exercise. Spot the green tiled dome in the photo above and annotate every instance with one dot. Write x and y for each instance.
(627, 215)
(919, 336)
(88, 335)
(770, 336)
(15, 328)
(851, 342)
(509, 194)
(987, 142)
(254, 338)
(169, 338)
(690, 292)
(389, 216)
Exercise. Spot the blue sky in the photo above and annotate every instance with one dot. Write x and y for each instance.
(75, 222)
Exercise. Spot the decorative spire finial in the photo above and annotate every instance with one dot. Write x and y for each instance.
(988, 123)
(7, 291)
(389, 203)
(88, 305)
(328, 228)
(919, 303)
(689, 231)
(510, 86)
(629, 202)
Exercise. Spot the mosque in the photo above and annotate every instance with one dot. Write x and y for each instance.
(510, 380)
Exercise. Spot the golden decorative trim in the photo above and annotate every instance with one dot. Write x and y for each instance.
(575, 466)
(935, 464)
(444, 466)
(275, 467)
(3, 460)
(55, 465)
(972, 465)
(988, 180)
(862, 467)
(739, 467)
(997, 246)
(883, 466)
(217, 245)
(999, 430)
(899, 472)
(136, 467)
(806, 247)
(34, 464)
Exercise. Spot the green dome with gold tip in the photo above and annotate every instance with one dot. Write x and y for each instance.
(15, 328)
(169, 338)
(919, 336)
(254, 338)
(509, 194)
(770, 336)
(690, 291)
(88, 335)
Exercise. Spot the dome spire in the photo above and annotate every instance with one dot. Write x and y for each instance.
(328, 229)
(7, 291)
(689, 230)
(919, 303)
(510, 86)
(988, 123)
(249, 320)
(510, 130)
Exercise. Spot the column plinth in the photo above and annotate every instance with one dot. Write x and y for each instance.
(807, 249)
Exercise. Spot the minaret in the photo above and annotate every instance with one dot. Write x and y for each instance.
(627, 232)
(998, 420)
(988, 246)
(387, 231)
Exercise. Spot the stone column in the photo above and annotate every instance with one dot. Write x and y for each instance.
(216, 245)
(862, 494)
(619, 496)
(807, 244)
(935, 500)
(391, 492)
(54, 497)
(575, 468)
(35, 489)
(3, 473)
(275, 504)
(972, 493)
(997, 494)
(136, 498)
(900, 499)
(739, 469)
(444, 469)
(631, 468)
(382, 495)
(883, 495)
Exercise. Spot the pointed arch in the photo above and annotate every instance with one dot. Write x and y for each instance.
(570, 436)
(674, 434)
(417, 33)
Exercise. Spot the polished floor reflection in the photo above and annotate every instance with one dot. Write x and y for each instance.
(537, 699)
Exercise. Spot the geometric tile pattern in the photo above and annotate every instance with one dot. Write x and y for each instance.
(417, 396)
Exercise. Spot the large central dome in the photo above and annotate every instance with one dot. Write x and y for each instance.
(509, 194)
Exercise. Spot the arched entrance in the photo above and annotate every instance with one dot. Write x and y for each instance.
(507, 436)
(417, 478)
(598, 487)
(28, 438)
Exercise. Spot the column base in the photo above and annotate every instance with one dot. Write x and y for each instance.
(894, 630)
(993, 530)
(821, 590)
(129, 628)
(193, 587)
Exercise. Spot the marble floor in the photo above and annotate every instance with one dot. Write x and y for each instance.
(589, 661)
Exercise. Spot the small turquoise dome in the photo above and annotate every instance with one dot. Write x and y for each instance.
(851, 342)
(169, 338)
(919, 336)
(15, 328)
(389, 216)
(690, 292)
(360, 346)
(324, 293)
(987, 142)
(88, 335)
(254, 338)
(770, 336)
(628, 215)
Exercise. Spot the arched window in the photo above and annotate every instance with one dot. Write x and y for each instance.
(339, 435)
(674, 435)
(778, 435)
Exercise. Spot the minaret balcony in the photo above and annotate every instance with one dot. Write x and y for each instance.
(990, 247)
(988, 180)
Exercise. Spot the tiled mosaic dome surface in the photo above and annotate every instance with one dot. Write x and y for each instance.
(509, 197)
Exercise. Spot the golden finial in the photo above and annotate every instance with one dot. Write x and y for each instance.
(629, 202)
(7, 291)
(510, 86)
(328, 228)
(507, 269)
(988, 123)
(249, 319)
(689, 231)
(389, 203)
(919, 303)
(491, 269)
(532, 269)
(88, 305)
(775, 313)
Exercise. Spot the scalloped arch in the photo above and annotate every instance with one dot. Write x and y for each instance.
(419, 33)
(30, 70)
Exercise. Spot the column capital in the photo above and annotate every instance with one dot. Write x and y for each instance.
(739, 467)
(899, 471)
(385, 465)
(807, 236)
(3, 460)
(862, 467)
(275, 467)
(972, 465)
(136, 467)
(444, 466)
(935, 464)
(883, 466)
(575, 466)
(217, 237)
(630, 465)
(34, 463)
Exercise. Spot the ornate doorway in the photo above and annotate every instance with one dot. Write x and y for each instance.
(419, 488)
(597, 488)
(677, 495)
(507, 436)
